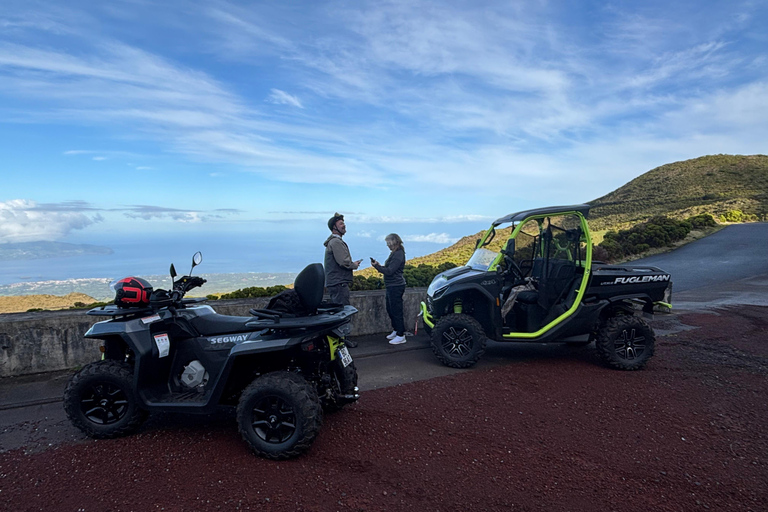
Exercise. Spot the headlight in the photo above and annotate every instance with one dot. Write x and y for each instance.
(437, 285)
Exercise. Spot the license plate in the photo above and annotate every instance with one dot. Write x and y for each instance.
(346, 359)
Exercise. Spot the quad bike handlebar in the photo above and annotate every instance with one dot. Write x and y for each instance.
(162, 298)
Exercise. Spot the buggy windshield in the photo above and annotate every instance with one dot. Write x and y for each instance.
(481, 259)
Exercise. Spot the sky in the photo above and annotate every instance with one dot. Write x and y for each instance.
(139, 116)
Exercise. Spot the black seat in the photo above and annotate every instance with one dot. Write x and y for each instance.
(208, 325)
(528, 297)
(554, 285)
(309, 286)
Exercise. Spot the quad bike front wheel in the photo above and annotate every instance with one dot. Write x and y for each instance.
(458, 340)
(625, 342)
(279, 415)
(100, 400)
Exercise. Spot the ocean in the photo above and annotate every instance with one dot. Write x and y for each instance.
(231, 260)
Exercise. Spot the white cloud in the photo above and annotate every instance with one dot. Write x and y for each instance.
(283, 98)
(394, 219)
(22, 220)
(505, 100)
(434, 238)
(146, 212)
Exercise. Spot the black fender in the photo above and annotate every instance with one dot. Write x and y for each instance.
(487, 319)
(642, 297)
(115, 347)
(260, 346)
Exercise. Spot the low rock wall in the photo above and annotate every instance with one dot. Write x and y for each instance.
(45, 341)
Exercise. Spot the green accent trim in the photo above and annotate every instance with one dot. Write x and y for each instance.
(584, 280)
(333, 344)
(457, 306)
(426, 316)
(663, 304)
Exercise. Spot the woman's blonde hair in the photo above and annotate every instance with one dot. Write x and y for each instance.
(396, 238)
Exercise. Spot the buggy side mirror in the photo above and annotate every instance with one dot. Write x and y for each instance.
(173, 271)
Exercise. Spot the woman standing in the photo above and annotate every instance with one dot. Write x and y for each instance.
(395, 285)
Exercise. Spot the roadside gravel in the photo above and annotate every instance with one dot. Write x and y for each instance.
(556, 433)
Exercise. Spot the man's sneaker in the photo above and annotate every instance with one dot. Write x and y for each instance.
(393, 335)
(350, 343)
(397, 340)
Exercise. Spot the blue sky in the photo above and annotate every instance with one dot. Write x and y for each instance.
(222, 116)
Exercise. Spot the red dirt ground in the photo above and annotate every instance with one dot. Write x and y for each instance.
(687, 433)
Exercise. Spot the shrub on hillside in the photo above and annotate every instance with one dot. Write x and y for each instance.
(415, 277)
(656, 232)
(705, 220)
(738, 216)
(250, 292)
(599, 253)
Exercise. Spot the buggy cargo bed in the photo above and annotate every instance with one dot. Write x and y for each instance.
(610, 281)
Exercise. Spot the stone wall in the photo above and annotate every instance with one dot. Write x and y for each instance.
(46, 341)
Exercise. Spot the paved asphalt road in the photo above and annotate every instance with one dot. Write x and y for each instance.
(734, 253)
(729, 267)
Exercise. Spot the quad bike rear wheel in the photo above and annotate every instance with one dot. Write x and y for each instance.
(458, 340)
(100, 400)
(279, 415)
(343, 383)
(625, 342)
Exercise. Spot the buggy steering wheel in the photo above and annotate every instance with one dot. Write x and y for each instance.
(512, 265)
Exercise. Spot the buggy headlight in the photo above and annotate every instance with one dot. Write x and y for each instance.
(437, 286)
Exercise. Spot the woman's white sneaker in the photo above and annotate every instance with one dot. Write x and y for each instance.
(397, 340)
(391, 336)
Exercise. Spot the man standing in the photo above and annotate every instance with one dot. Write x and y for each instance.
(338, 264)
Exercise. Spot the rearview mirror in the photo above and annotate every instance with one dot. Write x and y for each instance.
(197, 258)
(173, 271)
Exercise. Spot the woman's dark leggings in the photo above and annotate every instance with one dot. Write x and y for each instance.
(395, 307)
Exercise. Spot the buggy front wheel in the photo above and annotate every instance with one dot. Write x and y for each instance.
(458, 340)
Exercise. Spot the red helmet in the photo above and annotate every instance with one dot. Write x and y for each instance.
(132, 292)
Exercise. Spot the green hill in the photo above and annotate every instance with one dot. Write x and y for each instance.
(713, 184)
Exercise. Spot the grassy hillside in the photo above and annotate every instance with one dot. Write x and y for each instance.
(23, 303)
(712, 184)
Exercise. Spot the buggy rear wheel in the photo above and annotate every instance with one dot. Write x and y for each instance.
(279, 415)
(625, 342)
(458, 340)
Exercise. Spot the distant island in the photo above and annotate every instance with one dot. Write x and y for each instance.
(41, 250)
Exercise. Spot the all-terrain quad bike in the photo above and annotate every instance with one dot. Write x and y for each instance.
(165, 353)
(539, 284)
